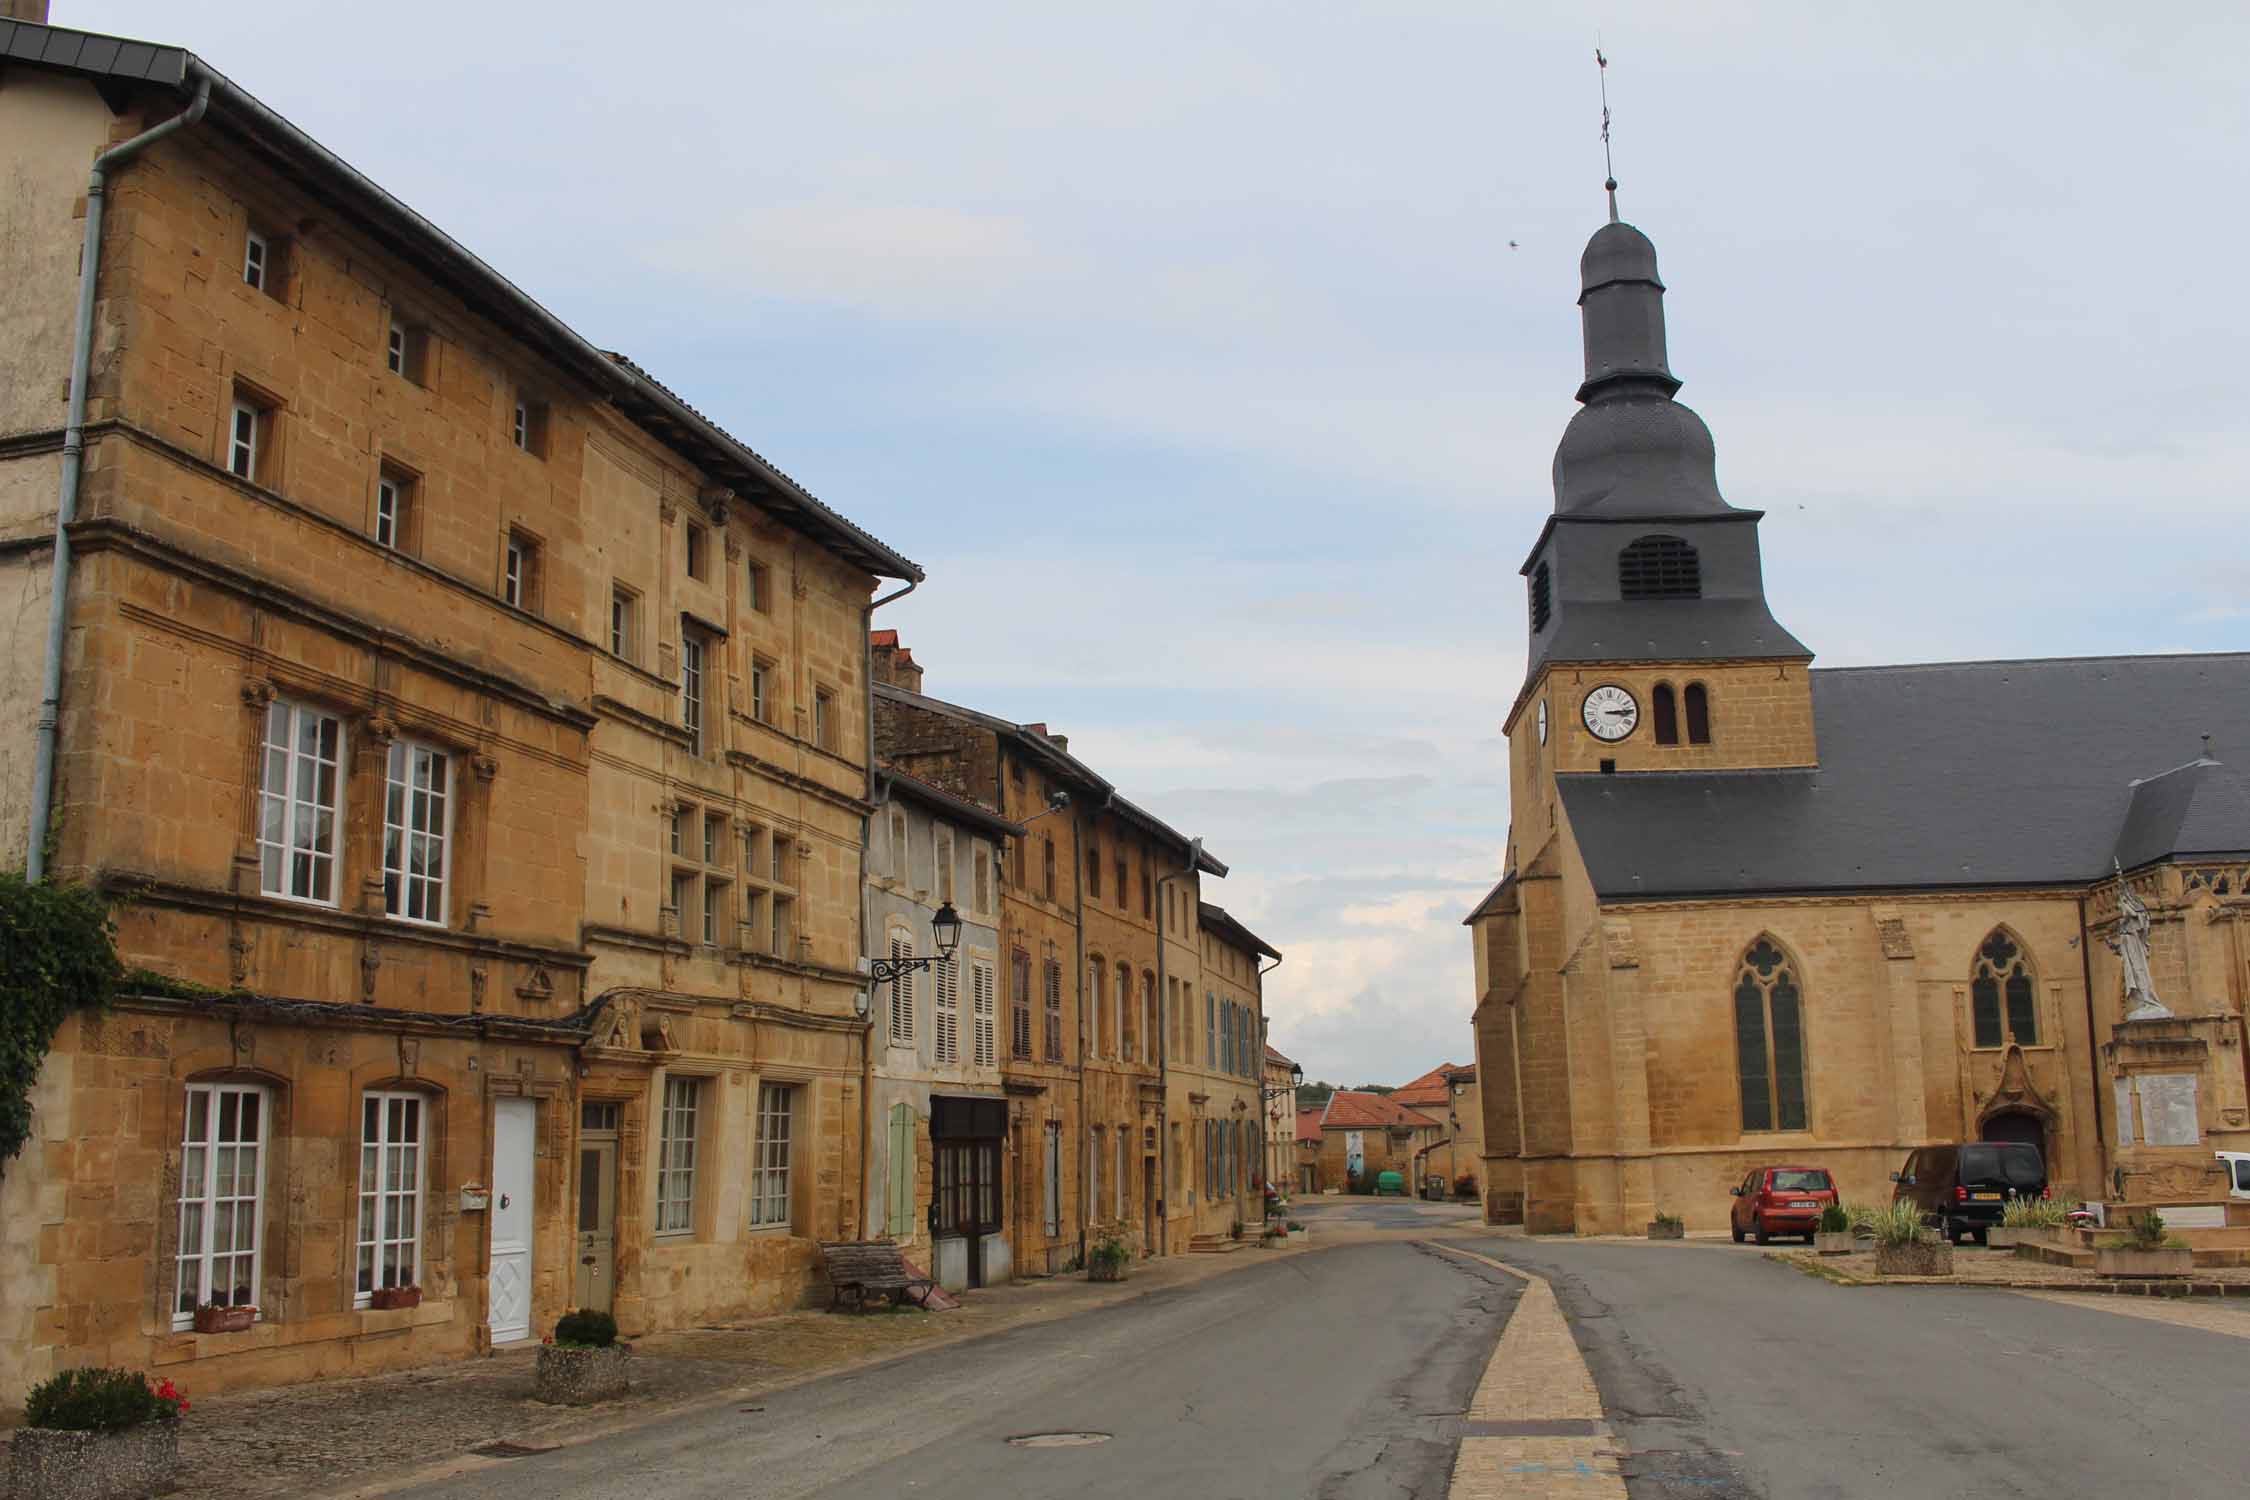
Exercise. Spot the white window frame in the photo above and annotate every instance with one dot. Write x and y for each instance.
(770, 1173)
(385, 1206)
(521, 431)
(823, 716)
(692, 659)
(678, 1137)
(946, 1027)
(390, 510)
(243, 440)
(404, 814)
(984, 1019)
(512, 588)
(761, 585)
(299, 810)
(257, 260)
(902, 992)
(620, 623)
(394, 354)
(198, 1246)
(761, 691)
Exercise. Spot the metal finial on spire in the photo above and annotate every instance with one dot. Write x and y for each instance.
(1609, 168)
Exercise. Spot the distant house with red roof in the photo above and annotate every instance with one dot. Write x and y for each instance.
(1448, 1093)
(1373, 1132)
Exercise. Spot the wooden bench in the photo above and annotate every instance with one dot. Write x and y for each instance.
(858, 1269)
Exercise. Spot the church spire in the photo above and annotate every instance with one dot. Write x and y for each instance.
(1609, 168)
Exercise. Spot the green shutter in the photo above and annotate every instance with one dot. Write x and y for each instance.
(902, 1171)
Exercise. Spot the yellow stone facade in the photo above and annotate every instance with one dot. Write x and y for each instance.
(463, 555)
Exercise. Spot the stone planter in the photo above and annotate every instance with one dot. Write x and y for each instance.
(1924, 1258)
(387, 1298)
(124, 1465)
(1662, 1231)
(1105, 1270)
(224, 1319)
(1999, 1237)
(2137, 1263)
(579, 1377)
(1837, 1242)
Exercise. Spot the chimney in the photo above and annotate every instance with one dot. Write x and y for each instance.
(894, 664)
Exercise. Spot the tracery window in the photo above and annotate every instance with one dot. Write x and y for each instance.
(1769, 1039)
(2000, 984)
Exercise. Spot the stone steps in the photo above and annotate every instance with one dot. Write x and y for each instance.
(1214, 1244)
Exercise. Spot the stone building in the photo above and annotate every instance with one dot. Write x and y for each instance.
(1447, 1094)
(1279, 1130)
(1364, 1135)
(1310, 1179)
(937, 1152)
(479, 734)
(1752, 911)
(1214, 1077)
(1103, 964)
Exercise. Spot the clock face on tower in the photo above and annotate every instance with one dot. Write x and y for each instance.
(1542, 721)
(1610, 712)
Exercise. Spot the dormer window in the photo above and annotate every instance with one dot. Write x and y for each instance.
(1659, 567)
(1542, 598)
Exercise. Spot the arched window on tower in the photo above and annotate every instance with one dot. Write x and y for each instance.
(1698, 714)
(1769, 1039)
(2000, 985)
(1542, 598)
(1659, 567)
(1666, 712)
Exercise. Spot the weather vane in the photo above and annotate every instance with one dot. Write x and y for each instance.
(1609, 168)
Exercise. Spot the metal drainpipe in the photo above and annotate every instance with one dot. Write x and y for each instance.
(1265, 1147)
(866, 832)
(1164, 1047)
(73, 467)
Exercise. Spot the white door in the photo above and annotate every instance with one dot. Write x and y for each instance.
(509, 1292)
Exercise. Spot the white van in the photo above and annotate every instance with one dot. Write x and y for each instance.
(2237, 1165)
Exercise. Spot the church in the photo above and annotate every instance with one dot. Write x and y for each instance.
(1756, 913)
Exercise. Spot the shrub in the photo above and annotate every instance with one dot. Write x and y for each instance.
(1833, 1220)
(2148, 1233)
(91, 1399)
(1897, 1225)
(2034, 1213)
(1294, 1226)
(585, 1329)
(1861, 1217)
(1109, 1245)
(1669, 1221)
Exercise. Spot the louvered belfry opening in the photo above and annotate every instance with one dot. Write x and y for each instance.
(1659, 567)
(1542, 598)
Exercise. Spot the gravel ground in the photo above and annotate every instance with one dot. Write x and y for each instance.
(1980, 1267)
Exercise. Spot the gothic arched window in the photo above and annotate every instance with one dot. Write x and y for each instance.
(1769, 1039)
(1698, 703)
(1542, 598)
(1659, 567)
(1665, 710)
(2002, 973)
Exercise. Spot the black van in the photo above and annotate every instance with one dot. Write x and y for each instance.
(1962, 1189)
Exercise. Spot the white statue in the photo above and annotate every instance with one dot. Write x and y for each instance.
(2131, 947)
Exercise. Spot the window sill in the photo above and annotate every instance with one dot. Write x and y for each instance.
(406, 921)
(314, 901)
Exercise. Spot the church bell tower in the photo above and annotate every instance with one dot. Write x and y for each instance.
(1652, 648)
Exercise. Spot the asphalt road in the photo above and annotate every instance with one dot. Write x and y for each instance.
(1729, 1375)
(1334, 1375)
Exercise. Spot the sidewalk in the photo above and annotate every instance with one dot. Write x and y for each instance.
(362, 1436)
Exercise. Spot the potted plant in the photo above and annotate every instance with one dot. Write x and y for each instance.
(1465, 1186)
(217, 1317)
(387, 1297)
(1903, 1247)
(1834, 1236)
(95, 1434)
(581, 1362)
(2023, 1220)
(1234, 1230)
(2146, 1249)
(1108, 1252)
(1666, 1226)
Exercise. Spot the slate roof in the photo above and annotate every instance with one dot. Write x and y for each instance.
(1348, 1109)
(117, 65)
(937, 799)
(1220, 921)
(1964, 774)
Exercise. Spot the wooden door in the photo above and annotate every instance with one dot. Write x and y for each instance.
(508, 1286)
(596, 1281)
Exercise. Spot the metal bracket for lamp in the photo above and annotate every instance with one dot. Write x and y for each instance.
(1296, 1082)
(945, 929)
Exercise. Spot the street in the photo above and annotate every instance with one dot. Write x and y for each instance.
(1349, 1372)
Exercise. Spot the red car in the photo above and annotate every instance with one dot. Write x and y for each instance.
(1781, 1200)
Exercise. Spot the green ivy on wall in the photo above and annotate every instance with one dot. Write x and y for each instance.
(58, 954)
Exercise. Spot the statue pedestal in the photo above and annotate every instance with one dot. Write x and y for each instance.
(2177, 1091)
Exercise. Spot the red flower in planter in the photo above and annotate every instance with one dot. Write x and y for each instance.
(171, 1395)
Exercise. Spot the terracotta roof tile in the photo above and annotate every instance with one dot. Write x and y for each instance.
(1350, 1110)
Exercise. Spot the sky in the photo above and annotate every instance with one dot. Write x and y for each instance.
(1211, 356)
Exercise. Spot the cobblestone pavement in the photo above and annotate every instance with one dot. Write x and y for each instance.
(1534, 1429)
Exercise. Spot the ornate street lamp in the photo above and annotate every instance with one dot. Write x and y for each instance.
(945, 928)
(1296, 1082)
